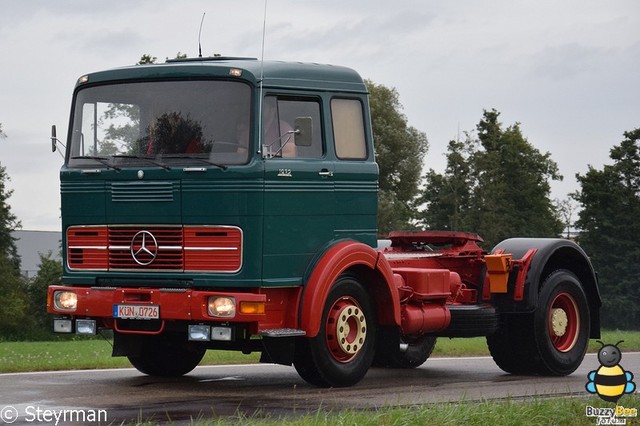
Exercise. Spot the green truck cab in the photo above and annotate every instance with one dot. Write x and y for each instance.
(230, 203)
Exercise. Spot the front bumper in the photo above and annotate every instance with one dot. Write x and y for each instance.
(173, 305)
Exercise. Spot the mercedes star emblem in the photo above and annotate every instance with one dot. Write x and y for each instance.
(144, 248)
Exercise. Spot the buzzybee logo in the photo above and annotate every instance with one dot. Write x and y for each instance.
(610, 382)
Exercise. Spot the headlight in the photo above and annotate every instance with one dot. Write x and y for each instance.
(224, 307)
(64, 300)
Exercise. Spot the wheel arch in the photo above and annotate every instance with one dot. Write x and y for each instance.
(368, 265)
(553, 254)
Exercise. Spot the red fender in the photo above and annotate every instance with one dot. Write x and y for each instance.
(334, 262)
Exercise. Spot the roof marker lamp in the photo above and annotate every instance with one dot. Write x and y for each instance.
(65, 300)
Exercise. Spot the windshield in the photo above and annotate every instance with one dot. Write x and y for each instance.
(166, 122)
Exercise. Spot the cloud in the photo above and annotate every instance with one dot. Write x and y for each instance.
(346, 35)
(568, 61)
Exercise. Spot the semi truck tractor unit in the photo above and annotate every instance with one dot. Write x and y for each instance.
(230, 203)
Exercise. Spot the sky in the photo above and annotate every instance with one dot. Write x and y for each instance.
(567, 71)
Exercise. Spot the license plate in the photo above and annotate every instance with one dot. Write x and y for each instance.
(136, 311)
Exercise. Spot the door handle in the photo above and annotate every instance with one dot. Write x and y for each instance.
(325, 173)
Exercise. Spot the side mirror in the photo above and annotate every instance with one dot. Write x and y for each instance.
(53, 138)
(303, 131)
(55, 141)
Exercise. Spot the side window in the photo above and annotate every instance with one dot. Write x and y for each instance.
(348, 129)
(279, 117)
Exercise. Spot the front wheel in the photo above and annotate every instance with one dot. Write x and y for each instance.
(342, 352)
(166, 357)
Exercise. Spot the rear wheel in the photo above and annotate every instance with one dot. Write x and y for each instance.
(552, 340)
(342, 352)
(562, 326)
(167, 356)
(405, 352)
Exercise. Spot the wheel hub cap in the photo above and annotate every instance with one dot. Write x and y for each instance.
(351, 329)
(346, 329)
(559, 322)
(563, 322)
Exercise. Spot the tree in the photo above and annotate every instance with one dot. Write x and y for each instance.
(400, 149)
(497, 185)
(8, 224)
(12, 314)
(610, 230)
(49, 273)
(566, 210)
(147, 59)
(13, 317)
(446, 196)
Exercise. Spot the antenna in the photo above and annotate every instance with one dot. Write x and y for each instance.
(264, 31)
(199, 34)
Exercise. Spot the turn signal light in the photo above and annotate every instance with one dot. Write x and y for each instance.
(252, 308)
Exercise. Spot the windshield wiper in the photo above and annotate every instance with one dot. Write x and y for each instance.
(101, 160)
(147, 159)
(202, 160)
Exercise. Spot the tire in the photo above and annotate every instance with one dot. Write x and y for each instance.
(563, 325)
(418, 350)
(167, 357)
(552, 340)
(342, 352)
(512, 345)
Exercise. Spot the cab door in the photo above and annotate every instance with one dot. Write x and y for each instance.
(356, 172)
(299, 198)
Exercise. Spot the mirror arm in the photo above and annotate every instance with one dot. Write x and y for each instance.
(267, 147)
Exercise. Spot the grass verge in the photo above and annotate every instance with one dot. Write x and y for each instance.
(533, 411)
(84, 353)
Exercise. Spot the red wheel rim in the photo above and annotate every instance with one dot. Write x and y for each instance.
(346, 329)
(564, 322)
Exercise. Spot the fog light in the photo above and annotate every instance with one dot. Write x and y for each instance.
(85, 326)
(224, 307)
(64, 300)
(199, 332)
(62, 326)
(221, 333)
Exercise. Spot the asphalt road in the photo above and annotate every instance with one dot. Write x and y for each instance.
(267, 390)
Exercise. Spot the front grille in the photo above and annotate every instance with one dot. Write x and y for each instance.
(155, 248)
(162, 248)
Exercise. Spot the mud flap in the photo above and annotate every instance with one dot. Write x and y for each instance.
(278, 346)
(126, 345)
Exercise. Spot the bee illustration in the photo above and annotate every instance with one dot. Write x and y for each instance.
(610, 381)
